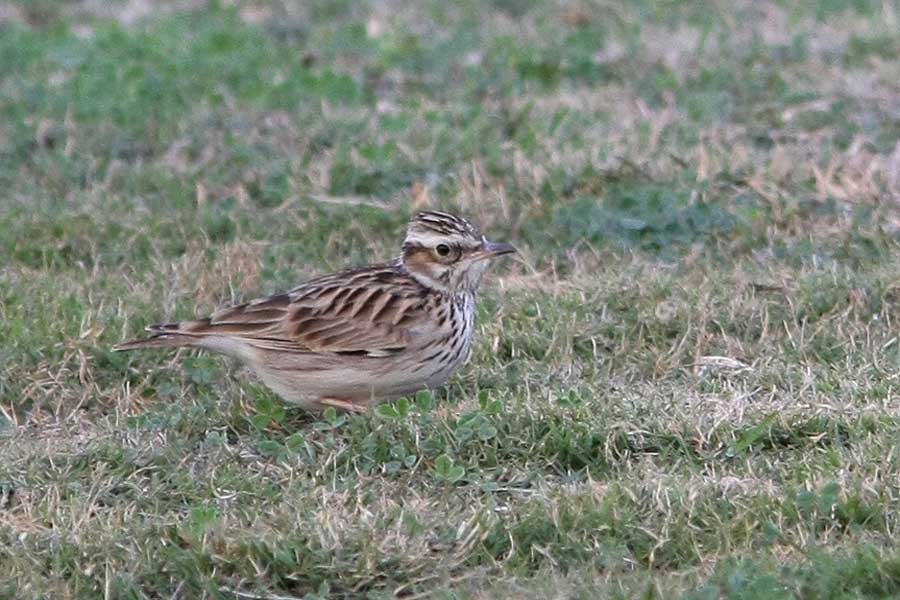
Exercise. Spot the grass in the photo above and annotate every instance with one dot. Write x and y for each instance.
(684, 387)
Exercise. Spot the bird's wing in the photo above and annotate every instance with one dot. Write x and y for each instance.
(369, 312)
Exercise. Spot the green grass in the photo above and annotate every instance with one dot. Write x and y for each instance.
(684, 387)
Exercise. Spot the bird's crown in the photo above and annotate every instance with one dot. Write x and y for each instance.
(429, 225)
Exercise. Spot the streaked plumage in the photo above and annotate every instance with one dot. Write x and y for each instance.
(361, 335)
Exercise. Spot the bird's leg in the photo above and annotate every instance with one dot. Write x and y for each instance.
(347, 405)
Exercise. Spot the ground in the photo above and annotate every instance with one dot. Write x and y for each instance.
(685, 385)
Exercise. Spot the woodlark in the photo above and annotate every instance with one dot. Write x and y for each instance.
(358, 336)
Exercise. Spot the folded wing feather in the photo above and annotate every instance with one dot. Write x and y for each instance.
(369, 313)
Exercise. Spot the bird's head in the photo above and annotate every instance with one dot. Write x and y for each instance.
(448, 253)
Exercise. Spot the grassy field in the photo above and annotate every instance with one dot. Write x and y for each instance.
(685, 386)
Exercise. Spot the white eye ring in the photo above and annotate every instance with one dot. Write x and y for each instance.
(442, 249)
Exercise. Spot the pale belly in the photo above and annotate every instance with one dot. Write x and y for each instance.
(360, 384)
(363, 380)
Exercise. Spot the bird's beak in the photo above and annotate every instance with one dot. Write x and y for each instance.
(493, 249)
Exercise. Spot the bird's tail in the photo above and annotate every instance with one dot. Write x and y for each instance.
(168, 335)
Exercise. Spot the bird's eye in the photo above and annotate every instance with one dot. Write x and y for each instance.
(442, 249)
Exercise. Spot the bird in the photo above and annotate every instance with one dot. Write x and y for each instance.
(361, 336)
